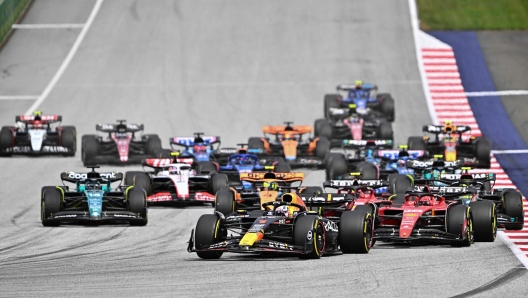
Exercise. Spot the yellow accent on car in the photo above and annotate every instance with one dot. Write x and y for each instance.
(269, 168)
(175, 153)
(354, 174)
(127, 189)
(249, 239)
(359, 82)
(62, 191)
(465, 168)
(352, 106)
(403, 146)
(438, 156)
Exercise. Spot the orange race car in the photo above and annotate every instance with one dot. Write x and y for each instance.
(292, 143)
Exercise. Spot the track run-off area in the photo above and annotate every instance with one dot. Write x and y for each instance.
(223, 68)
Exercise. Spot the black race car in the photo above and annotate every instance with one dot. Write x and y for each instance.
(34, 135)
(122, 145)
(93, 200)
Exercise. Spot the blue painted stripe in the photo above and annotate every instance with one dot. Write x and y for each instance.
(491, 116)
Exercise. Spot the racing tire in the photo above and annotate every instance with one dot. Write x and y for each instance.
(141, 179)
(399, 186)
(163, 153)
(312, 190)
(331, 101)
(225, 202)
(387, 106)
(368, 170)
(484, 221)
(209, 230)
(355, 232)
(256, 143)
(153, 144)
(459, 222)
(137, 203)
(6, 140)
(416, 143)
(218, 181)
(385, 131)
(336, 165)
(483, 151)
(513, 206)
(310, 228)
(89, 150)
(50, 204)
(206, 167)
(69, 139)
(322, 128)
(282, 167)
(322, 147)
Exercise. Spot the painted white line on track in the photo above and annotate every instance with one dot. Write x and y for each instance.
(19, 97)
(416, 30)
(68, 59)
(515, 151)
(47, 26)
(497, 93)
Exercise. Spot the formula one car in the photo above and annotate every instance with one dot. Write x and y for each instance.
(34, 135)
(345, 123)
(284, 226)
(199, 147)
(121, 146)
(450, 142)
(177, 181)
(291, 144)
(365, 99)
(93, 200)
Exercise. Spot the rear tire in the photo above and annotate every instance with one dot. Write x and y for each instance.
(322, 128)
(313, 190)
(206, 168)
(416, 143)
(256, 143)
(50, 204)
(459, 222)
(153, 144)
(484, 221)
(513, 206)
(282, 167)
(140, 179)
(225, 202)
(217, 182)
(89, 150)
(387, 106)
(310, 228)
(69, 139)
(483, 151)
(355, 232)
(331, 101)
(336, 166)
(137, 203)
(6, 141)
(322, 147)
(385, 131)
(209, 230)
(368, 171)
(163, 153)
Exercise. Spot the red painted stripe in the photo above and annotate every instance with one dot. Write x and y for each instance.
(438, 56)
(439, 64)
(520, 242)
(518, 237)
(441, 70)
(436, 50)
(521, 231)
(449, 91)
(445, 84)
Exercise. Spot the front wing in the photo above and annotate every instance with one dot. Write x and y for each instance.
(107, 217)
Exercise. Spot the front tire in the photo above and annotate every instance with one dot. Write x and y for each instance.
(309, 233)
(225, 202)
(459, 222)
(140, 179)
(209, 230)
(484, 221)
(6, 141)
(69, 139)
(50, 204)
(513, 206)
(137, 203)
(355, 232)
(336, 165)
(89, 149)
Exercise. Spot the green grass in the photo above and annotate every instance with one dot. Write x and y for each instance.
(473, 14)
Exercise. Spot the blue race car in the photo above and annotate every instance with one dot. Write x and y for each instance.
(199, 147)
(363, 98)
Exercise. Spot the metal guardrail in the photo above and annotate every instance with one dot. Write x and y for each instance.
(10, 11)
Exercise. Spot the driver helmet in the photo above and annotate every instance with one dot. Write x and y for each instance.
(173, 170)
(369, 153)
(401, 163)
(248, 160)
(354, 118)
(282, 211)
(199, 148)
(272, 186)
(93, 185)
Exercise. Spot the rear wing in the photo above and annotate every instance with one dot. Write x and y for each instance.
(481, 177)
(285, 177)
(325, 199)
(348, 87)
(128, 127)
(43, 118)
(395, 154)
(353, 183)
(82, 177)
(277, 129)
(440, 129)
(189, 141)
(429, 164)
(163, 162)
(375, 144)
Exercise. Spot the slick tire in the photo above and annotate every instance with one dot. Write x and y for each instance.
(6, 141)
(256, 143)
(387, 106)
(89, 150)
(399, 186)
(50, 204)
(336, 165)
(483, 151)
(206, 168)
(312, 190)
(153, 144)
(140, 179)
(209, 230)
(322, 147)
(385, 131)
(368, 170)
(218, 181)
(322, 128)
(331, 101)
(484, 221)
(225, 202)
(282, 167)
(459, 222)
(309, 232)
(355, 232)
(163, 153)
(137, 203)
(69, 139)
(416, 143)
(513, 206)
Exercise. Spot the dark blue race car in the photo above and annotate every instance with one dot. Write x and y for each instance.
(199, 147)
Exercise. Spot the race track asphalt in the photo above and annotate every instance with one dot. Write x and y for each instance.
(223, 68)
